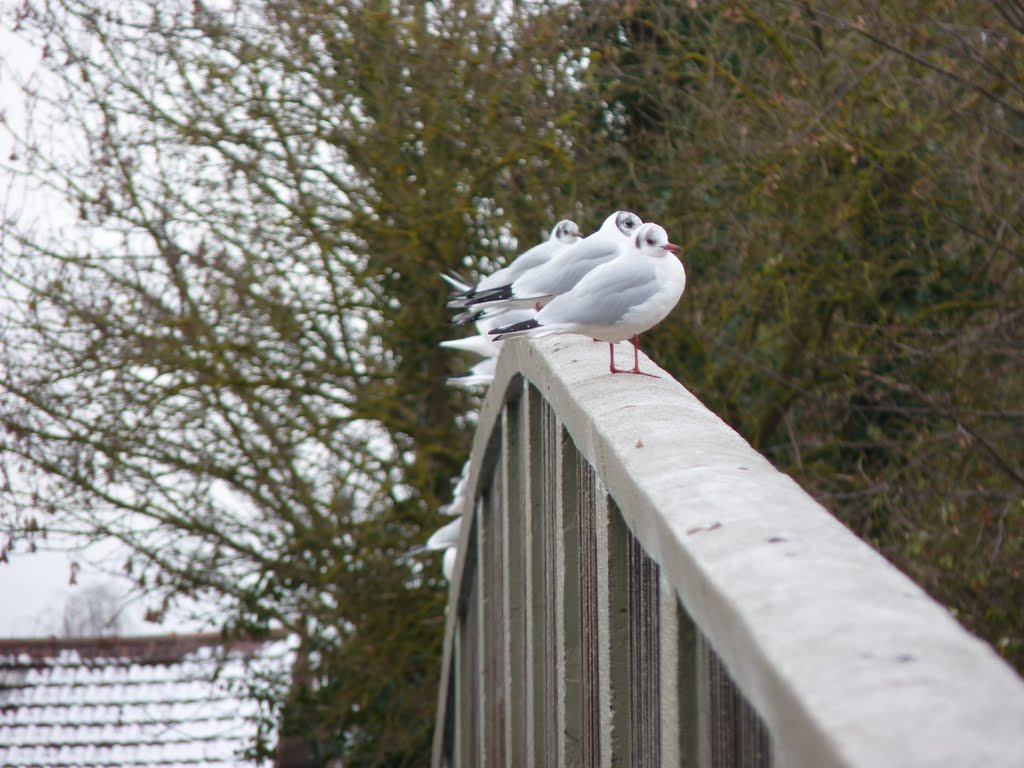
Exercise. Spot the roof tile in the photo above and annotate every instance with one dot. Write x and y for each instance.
(172, 701)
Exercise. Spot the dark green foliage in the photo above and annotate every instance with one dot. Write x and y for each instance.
(846, 183)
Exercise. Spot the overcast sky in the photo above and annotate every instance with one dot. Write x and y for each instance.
(34, 587)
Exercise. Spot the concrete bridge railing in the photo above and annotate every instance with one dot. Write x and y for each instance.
(636, 586)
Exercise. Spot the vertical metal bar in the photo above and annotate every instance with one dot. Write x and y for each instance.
(591, 565)
(493, 629)
(514, 517)
(705, 716)
(689, 690)
(652, 663)
(450, 721)
(721, 723)
(671, 712)
(644, 656)
(730, 724)
(732, 734)
(537, 569)
(470, 672)
(461, 694)
(551, 647)
(569, 591)
(614, 574)
(480, 646)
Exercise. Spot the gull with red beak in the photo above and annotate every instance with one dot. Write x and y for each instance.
(617, 300)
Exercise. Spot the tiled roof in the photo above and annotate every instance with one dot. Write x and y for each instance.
(130, 702)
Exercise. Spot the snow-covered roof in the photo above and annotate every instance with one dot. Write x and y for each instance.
(169, 701)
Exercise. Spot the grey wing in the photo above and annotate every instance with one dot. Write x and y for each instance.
(580, 268)
(523, 262)
(603, 296)
(536, 256)
(560, 273)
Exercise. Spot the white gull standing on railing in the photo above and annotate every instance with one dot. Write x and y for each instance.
(480, 375)
(446, 539)
(483, 344)
(447, 536)
(539, 285)
(564, 234)
(618, 300)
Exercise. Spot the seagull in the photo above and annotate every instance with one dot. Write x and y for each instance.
(454, 507)
(563, 234)
(483, 343)
(447, 539)
(480, 375)
(448, 562)
(538, 286)
(445, 536)
(457, 281)
(620, 299)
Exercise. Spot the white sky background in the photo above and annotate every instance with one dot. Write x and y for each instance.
(35, 587)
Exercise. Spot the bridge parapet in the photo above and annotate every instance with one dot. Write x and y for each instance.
(637, 586)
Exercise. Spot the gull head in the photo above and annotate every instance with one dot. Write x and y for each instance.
(566, 232)
(627, 223)
(652, 240)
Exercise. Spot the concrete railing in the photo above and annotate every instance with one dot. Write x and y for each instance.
(636, 586)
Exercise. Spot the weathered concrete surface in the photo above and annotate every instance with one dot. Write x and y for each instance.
(847, 660)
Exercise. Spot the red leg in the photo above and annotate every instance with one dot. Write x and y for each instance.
(611, 359)
(636, 359)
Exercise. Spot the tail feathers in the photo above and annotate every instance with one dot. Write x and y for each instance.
(464, 289)
(444, 537)
(515, 328)
(467, 317)
(481, 374)
(458, 282)
(458, 299)
(479, 345)
(414, 552)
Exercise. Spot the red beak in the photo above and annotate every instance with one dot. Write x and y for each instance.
(672, 248)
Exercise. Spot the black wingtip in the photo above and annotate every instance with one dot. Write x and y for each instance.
(458, 276)
(525, 325)
(467, 317)
(494, 294)
(458, 299)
